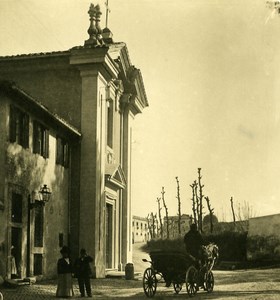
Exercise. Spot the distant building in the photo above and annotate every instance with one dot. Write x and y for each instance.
(140, 230)
(66, 122)
(173, 225)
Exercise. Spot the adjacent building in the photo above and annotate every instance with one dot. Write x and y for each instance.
(66, 130)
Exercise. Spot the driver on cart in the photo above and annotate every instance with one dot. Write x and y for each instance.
(193, 241)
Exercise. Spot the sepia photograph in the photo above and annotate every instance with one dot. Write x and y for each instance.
(139, 149)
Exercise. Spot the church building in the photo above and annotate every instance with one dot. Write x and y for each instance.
(66, 120)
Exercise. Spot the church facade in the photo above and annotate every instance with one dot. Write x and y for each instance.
(66, 126)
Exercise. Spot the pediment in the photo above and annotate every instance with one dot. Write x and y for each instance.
(114, 174)
(131, 78)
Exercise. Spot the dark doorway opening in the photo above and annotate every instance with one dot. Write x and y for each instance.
(16, 250)
(109, 236)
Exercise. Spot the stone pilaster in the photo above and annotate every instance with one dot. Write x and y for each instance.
(92, 204)
(126, 199)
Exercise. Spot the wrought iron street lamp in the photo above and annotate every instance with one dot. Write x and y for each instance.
(45, 194)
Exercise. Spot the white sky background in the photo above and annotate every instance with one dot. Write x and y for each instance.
(212, 75)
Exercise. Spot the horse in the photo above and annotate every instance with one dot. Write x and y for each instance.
(211, 254)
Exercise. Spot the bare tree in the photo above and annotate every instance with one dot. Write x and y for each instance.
(156, 226)
(179, 205)
(160, 219)
(233, 212)
(194, 201)
(211, 212)
(166, 212)
(197, 202)
(201, 196)
(153, 217)
(150, 225)
(245, 212)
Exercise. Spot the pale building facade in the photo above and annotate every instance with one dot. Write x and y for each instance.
(98, 92)
(140, 230)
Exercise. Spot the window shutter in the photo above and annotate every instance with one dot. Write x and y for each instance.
(13, 127)
(58, 150)
(66, 155)
(36, 137)
(46, 143)
(25, 131)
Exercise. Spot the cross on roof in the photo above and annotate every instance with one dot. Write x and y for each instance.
(107, 12)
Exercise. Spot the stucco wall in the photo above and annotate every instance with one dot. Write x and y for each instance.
(3, 245)
(265, 226)
(30, 171)
(52, 81)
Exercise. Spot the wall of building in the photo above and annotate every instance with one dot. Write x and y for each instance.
(265, 226)
(27, 172)
(51, 80)
(77, 90)
(3, 224)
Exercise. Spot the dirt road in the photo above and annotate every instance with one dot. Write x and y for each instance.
(242, 284)
(229, 285)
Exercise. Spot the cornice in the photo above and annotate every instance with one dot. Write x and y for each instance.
(94, 58)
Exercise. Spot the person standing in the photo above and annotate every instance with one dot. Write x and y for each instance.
(83, 272)
(64, 272)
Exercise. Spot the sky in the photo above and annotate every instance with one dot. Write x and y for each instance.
(211, 71)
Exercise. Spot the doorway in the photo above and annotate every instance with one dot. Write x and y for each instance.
(109, 236)
(16, 252)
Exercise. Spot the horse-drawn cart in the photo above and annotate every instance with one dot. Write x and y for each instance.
(177, 268)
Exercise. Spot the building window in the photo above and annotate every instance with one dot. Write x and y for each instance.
(19, 127)
(38, 264)
(16, 216)
(110, 124)
(39, 226)
(62, 152)
(40, 139)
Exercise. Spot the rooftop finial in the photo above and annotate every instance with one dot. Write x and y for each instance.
(97, 21)
(94, 30)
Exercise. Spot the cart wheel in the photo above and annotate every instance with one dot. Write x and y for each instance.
(177, 287)
(191, 281)
(149, 282)
(209, 282)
